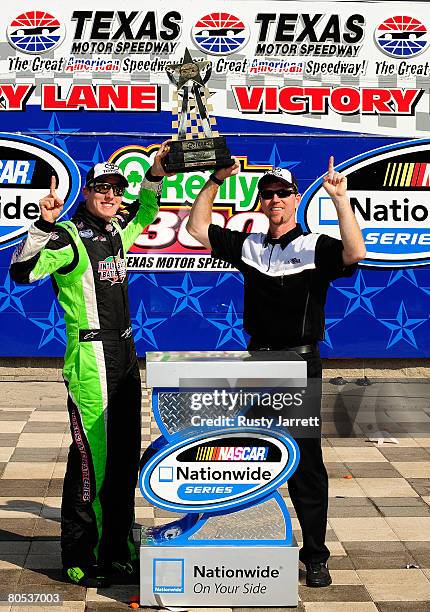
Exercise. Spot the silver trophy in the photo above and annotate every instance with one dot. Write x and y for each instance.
(195, 145)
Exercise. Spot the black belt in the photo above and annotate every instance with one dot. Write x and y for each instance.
(91, 335)
(301, 350)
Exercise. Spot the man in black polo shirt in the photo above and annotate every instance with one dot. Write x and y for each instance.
(286, 276)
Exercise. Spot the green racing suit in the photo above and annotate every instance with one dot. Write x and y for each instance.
(86, 258)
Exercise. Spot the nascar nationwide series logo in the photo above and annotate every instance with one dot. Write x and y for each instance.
(211, 472)
(35, 32)
(231, 453)
(26, 165)
(220, 33)
(388, 190)
(402, 36)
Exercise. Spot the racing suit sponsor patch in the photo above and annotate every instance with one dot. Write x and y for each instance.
(112, 269)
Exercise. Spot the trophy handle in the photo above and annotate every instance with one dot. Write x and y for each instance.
(204, 117)
(183, 115)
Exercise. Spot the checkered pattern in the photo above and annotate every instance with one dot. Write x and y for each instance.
(379, 514)
(193, 124)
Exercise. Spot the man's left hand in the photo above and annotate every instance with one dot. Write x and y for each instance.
(334, 182)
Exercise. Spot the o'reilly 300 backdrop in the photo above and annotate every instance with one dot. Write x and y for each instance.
(289, 88)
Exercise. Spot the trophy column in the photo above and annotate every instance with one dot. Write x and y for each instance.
(221, 469)
(195, 144)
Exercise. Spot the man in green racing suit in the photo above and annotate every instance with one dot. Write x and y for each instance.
(86, 258)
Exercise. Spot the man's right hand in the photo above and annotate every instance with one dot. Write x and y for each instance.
(201, 212)
(157, 168)
(51, 205)
(223, 173)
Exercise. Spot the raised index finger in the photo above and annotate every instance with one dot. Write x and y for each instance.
(53, 185)
(331, 163)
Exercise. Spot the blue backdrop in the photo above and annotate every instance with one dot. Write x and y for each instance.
(376, 313)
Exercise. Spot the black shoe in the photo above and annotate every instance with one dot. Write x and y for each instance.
(124, 572)
(90, 577)
(317, 575)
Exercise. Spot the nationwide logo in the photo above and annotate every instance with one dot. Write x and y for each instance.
(214, 472)
(388, 189)
(26, 165)
(220, 33)
(402, 36)
(232, 453)
(35, 32)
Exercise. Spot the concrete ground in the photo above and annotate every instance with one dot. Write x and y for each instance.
(379, 514)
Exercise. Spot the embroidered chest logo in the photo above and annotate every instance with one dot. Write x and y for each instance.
(110, 228)
(112, 269)
(87, 233)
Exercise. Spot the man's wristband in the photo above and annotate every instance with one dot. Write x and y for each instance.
(216, 180)
(152, 178)
(45, 226)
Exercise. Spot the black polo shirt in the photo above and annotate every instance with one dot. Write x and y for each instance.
(285, 279)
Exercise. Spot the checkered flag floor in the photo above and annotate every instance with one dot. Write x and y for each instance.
(379, 510)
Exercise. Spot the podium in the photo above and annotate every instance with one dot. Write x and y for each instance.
(219, 462)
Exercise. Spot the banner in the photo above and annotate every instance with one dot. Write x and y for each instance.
(290, 85)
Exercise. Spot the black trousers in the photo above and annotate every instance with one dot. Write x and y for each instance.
(308, 486)
(97, 511)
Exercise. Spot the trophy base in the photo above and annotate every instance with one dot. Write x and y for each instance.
(198, 154)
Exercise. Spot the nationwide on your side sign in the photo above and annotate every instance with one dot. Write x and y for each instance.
(291, 83)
